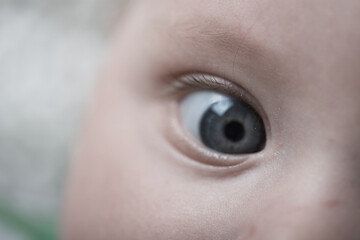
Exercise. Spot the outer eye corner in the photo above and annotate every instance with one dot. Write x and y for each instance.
(222, 123)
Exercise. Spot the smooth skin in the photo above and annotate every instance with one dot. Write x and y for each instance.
(138, 174)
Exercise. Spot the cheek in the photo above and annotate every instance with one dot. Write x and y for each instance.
(125, 184)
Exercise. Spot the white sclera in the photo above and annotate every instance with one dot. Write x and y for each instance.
(194, 106)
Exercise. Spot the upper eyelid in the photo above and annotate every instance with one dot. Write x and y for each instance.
(200, 81)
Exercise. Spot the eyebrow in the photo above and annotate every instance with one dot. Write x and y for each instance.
(233, 39)
(207, 31)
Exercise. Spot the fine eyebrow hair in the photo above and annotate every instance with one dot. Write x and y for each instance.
(231, 35)
(218, 35)
(234, 43)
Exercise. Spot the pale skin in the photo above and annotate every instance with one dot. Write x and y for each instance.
(138, 173)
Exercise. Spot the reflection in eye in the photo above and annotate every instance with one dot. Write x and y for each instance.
(223, 123)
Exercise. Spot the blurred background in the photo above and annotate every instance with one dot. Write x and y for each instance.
(50, 54)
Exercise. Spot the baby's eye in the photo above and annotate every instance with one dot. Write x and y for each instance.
(223, 123)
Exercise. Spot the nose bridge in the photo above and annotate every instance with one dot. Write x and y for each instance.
(315, 198)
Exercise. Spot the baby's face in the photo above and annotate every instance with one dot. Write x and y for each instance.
(224, 120)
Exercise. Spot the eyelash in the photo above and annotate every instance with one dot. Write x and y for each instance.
(199, 81)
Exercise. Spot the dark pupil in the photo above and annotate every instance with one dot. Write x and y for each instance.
(234, 131)
(232, 126)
